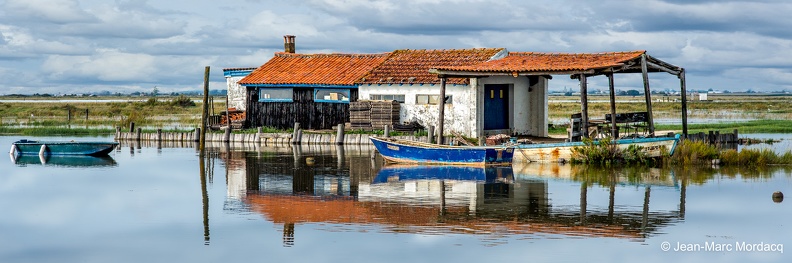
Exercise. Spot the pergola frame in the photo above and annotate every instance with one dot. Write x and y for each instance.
(643, 64)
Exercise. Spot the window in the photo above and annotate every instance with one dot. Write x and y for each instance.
(432, 99)
(399, 98)
(276, 95)
(331, 95)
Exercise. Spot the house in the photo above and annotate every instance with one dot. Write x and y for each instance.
(236, 93)
(480, 91)
(312, 89)
(475, 106)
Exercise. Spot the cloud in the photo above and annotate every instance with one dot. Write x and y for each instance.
(46, 11)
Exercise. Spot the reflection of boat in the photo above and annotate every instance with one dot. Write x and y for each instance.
(491, 174)
(554, 152)
(26, 147)
(65, 160)
(404, 151)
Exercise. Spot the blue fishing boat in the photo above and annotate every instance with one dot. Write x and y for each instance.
(487, 174)
(27, 147)
(405, 151)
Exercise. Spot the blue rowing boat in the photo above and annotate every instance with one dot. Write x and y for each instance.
(405, 151)
(27, 147)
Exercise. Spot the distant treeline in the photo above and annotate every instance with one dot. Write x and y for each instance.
(119, 94)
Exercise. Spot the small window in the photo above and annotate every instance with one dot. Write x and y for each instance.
(431, 99)
(399, 98)
(276, 95)
(332, 95)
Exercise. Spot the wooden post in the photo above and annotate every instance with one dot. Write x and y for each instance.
(159, 134)
(227, 134)
(86, 114)
(132, 126)
(118, 132)
(648, 95)
(711, 137)
(684, 102)
(386, 132)
(340, 134)
(204, 111)
(614, 129)
(736, 136)
(197, 135)
(139, 134)
(584, 105)
(441, 116)
(68, 113)
(430, 135)
(295, 134)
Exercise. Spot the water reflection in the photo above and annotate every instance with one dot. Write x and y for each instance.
(77, 161)
(345, 186)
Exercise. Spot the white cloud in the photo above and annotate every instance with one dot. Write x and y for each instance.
(50, 11)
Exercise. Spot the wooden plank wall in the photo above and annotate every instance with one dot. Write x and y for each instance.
(282, 115)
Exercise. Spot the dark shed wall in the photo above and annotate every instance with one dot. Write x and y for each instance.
(310, 114)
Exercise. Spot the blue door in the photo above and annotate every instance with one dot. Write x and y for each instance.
(496, 106)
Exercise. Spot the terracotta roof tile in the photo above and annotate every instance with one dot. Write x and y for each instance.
(409, 66)
(535, 61)
(315, 69)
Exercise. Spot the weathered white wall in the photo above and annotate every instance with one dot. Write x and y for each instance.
(460, 116)
(466, 114)
(236, 93)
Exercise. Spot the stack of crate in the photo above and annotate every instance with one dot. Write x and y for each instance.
(373, 114)
(384, 112)
(360, 114)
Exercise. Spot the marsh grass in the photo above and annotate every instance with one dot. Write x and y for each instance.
(605, 152)
(692, 153)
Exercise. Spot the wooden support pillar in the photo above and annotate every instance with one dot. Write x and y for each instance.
(584, 106)
(386, 131)
(614, 129)
(648, 95)
(583, 202)
(86, 114)
(684, 102)
(204, 112)
(430, 135)
(441, 117)
(340, 134)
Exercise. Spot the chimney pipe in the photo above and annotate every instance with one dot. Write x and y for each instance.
(288, 44)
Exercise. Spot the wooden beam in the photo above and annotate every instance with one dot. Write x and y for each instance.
(583, 105)
(663, 69)
(614, 129)
(441, 117)
(648, 95)
(684, 102)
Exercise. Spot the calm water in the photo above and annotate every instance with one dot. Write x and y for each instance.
(164, 204)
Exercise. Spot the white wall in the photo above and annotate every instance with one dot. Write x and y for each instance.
(460, 116)
(236, 93)
(466, 114)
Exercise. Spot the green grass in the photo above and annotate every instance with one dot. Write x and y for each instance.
(50, 131)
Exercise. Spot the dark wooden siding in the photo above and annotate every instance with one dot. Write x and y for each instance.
(310, 114)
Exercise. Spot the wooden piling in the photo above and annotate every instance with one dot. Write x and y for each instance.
(132, 126)
(159, 135)
(441, 116)
(387, 131)
(340, 134)
(430, 135)
(204, 111)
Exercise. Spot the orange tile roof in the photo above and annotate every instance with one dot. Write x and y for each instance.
(536, 61)
(408, 66)
(315, 69)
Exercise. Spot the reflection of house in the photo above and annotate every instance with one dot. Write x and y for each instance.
(351, 189)
(487, 90)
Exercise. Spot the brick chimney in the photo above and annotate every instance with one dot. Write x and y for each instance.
(288, 44)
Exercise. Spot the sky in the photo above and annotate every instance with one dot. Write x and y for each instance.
(78, 46)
